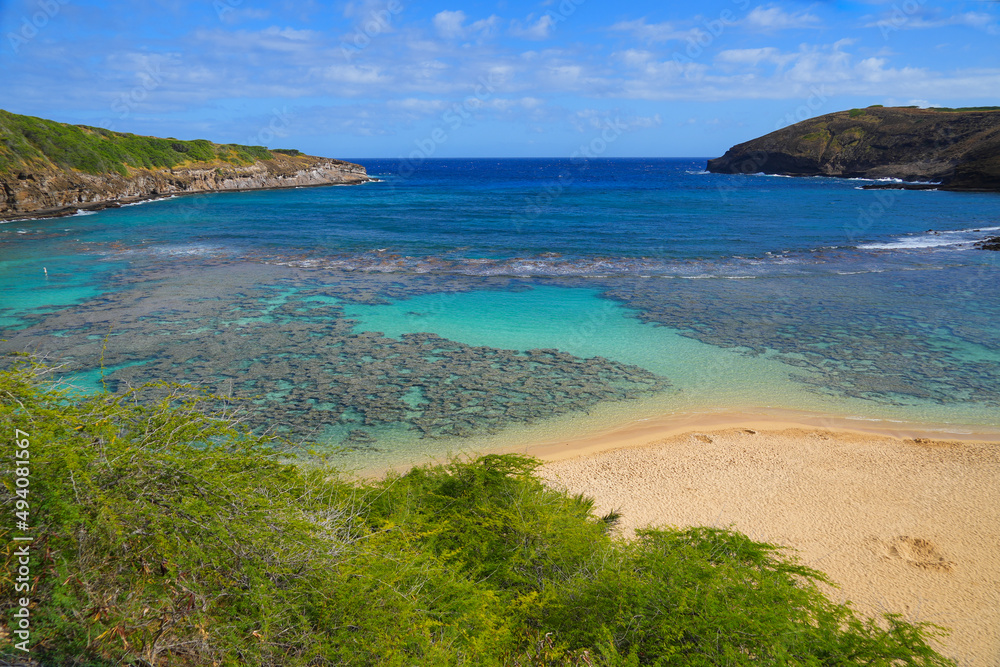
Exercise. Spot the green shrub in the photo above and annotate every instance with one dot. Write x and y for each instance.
(706, 596)
(28, 140)
(162, 530)
(960, 109)
(167, 534)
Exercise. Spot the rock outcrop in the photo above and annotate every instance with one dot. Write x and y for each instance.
(54, 191)
(960, 149)
(991, 243)
(49, 168)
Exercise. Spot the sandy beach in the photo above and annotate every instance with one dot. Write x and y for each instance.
(901, 524)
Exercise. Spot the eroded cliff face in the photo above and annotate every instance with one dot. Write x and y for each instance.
(52, 191)
(959, 149)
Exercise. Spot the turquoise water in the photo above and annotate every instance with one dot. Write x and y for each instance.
(577, 321)
(703, 377)
(432, 310)
(40, 283)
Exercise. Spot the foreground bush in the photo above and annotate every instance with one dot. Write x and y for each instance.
(30, 142)
(169, 535)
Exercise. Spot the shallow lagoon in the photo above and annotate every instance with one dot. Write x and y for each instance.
(468, 304)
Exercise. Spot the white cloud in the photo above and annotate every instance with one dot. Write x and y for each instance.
(451, 25)
(797, 75)
(541, 29)
(274, 39)
(565, 75)
(635, 58)
(405, 76)
(749, 57)
(418, 106)
(976, 20)
(643, 122)
(773, 17)
(506, 105)
(360, 9)
(448, 24)
(290, 34)
(816, 65)
(409, 70)
(592, 120)
(900, 20)
(234, 15)
(362, 74)
(485, 28)
(653, 33)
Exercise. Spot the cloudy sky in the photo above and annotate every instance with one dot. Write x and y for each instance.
(386, 78)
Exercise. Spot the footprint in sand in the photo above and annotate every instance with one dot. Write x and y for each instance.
(917, 552)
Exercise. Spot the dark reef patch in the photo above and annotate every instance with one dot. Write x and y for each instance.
(867, 336)
(276, 337)
(281, 341)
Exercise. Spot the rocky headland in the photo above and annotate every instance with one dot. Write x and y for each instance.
(51, 169)
(947, 149)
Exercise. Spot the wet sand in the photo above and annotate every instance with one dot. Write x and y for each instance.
(901, 523)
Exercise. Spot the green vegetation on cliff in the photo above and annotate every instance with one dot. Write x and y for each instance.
(960, 148)
(28, 143)
(166, 534)
(960, 109)
(51, 169)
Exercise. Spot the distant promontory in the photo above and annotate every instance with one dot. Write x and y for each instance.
(959, 149)
(49, 169)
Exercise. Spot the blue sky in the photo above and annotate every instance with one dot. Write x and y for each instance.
(396, 78)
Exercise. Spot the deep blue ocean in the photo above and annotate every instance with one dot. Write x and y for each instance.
(498, 300)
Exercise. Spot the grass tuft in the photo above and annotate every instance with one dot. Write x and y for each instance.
(26, 142)
(165, 533)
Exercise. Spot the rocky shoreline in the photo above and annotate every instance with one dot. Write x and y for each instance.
(53, 193)
(991, 243)
(956, 150)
